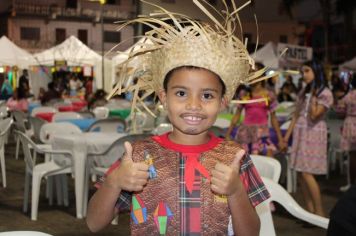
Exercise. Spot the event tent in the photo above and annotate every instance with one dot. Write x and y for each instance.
(76, 53)
(12, 55)
(267, 55)
(122, 56)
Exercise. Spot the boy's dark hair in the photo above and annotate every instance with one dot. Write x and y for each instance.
(170, 73)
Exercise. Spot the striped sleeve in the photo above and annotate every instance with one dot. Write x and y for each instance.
(251, 179)
(123, 203)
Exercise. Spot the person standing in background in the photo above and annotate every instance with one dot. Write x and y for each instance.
(24, 83)
(309, 149)
(347, 105)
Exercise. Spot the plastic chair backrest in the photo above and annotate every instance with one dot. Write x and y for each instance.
(66, 115)
(3, 111)
(5, 125)
(109, 125)
(116, 149)
(101, 112)
(36, 124)
(222, 123)
(26, 142)
(19, 120)
(334, 128)
(48, 130)
(43, 109)
(267, 167)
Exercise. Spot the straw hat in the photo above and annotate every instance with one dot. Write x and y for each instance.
(186, 42)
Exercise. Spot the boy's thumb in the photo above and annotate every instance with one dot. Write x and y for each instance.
(128, 152)
(236, 163)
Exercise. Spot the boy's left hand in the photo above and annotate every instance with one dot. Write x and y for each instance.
(225, 180)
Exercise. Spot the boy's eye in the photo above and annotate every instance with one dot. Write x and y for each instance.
(180, 93)
(208, 96)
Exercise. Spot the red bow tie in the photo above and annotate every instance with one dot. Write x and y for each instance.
(192, 164)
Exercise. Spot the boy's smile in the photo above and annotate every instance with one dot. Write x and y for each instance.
(193, 99)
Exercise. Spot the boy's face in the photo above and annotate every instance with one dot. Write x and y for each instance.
(193, 99)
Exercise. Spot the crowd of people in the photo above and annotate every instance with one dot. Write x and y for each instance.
(59, 88)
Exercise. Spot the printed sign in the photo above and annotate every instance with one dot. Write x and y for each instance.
(294, 56)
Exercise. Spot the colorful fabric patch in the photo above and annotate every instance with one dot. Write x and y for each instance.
(151, 168)
(138, 210)
(162, 216)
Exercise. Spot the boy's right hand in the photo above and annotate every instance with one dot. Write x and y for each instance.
(130, 176)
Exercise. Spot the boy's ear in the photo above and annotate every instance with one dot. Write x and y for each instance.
(224, 103)
(162, 96)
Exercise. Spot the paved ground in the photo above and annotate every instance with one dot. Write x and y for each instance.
(59, 220)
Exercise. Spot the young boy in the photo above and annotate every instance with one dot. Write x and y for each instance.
(198, 179)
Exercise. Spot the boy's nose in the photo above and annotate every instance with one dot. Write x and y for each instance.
(193, 104)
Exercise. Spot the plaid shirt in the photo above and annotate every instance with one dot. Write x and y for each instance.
(190, 203)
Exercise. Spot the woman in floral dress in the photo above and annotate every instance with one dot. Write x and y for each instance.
(309, 149)
(347, 105)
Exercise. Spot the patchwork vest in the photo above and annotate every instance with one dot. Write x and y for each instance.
(165, 188)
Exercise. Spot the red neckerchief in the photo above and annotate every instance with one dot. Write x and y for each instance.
(192, 153)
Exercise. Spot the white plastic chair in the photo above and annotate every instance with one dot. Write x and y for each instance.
(98, 163)
(20, 121)
(3, 112)
(39, 171)
(101, 112)
(281, 196)
(46, 137)
(66, 115)
(24, 233)
(162, 128)
(4, 128)
(36, 124)
(335, 153)
(267, 167)
(43, 109)
(222, 123)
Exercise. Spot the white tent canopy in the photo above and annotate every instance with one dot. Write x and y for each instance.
(12, 55)
(267, 55)
(122, 56)
(75, 53)
(349, 65)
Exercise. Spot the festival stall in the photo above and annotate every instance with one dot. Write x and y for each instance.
(71, 56)
(12, 60)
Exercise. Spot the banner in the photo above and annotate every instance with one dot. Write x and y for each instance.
(295, 55)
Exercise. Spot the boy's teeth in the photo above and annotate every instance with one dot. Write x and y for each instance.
(193, 118)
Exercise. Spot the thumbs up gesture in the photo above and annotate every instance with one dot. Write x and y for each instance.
(225, 180)
(130, 176)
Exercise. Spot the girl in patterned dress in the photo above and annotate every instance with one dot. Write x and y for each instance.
(253, 133)
(309, 149)
(348, 138)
